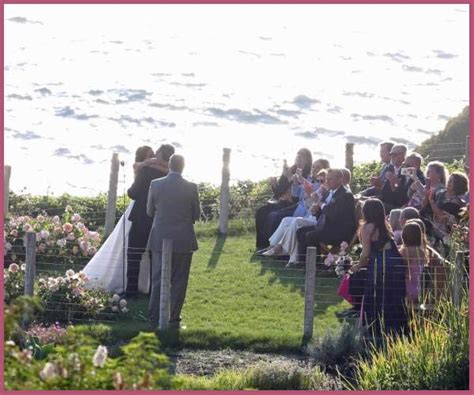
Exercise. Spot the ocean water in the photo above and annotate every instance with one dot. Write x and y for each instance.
(83, 81)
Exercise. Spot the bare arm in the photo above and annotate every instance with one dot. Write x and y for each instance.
(365, 237)
(157, 163)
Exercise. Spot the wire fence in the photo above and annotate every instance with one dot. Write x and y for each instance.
(379, 290)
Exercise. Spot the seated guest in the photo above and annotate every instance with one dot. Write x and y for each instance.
(302, 188)
(417, 186)
(298, 191)
(383, 305)
(415, 161)
(415, 255)
(394, 192)
(447, 205)
(283, 240)
(436, 176)
(378, 181)
(281, 194)
(406, 214)
(336, 221)
(394, 221)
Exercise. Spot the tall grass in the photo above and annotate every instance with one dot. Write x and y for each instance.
(434, 357)
(263, 376)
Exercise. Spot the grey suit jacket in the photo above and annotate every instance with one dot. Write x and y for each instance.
(174, 205)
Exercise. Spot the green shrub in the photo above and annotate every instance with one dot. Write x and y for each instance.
(338, 347)
(361, 174)
(263, 376)
(94, 334)
(434, 357)
(83, 366)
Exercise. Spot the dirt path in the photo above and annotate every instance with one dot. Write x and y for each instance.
(207, 362)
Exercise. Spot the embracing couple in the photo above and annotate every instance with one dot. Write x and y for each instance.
(165, 206)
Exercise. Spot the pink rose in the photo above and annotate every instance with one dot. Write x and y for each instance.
(13, 268)
(67, 227)
(14, 233)
(27, 228)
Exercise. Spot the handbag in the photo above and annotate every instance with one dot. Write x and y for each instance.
(343, 290)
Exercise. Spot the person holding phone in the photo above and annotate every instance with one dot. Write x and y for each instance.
(282, 204)
(377, 181)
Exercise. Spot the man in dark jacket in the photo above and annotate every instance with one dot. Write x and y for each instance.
(141, 222)
(395, 188)
(336, 217)
(174, 205)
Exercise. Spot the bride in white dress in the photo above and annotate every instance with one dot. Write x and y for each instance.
(107, 269)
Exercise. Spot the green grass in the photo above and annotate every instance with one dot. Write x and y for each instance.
(237, 300)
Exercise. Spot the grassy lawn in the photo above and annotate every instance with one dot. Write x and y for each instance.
(240, 301)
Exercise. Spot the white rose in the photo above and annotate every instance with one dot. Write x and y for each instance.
(8, 246)
(49, 371)
(115, 298)
(76, 217)
(44, 234)
(61, 242)
(70, 273)
(122, 303)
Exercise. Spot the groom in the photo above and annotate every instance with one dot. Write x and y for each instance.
(141, 223)
(174, 205)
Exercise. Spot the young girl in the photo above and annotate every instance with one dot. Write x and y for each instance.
(415, 255)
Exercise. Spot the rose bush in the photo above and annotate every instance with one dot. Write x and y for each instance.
(67, 298)
(59, 240)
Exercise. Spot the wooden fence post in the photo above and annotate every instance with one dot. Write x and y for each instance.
(457, 279)
(7, 171)
(350, 156)
(224, 198)
(165, 289)
(309, 285)
(30, 261)
(112, 195)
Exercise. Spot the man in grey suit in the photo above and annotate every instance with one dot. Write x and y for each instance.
(174, 205)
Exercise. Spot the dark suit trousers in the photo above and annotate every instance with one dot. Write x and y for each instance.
(137, 241)
(308, 237)
(180, 267)
(261, 219)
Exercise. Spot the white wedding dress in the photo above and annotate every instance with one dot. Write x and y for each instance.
(107, 269)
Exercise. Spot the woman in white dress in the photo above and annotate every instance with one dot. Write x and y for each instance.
(107, 269)
(283, 240)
